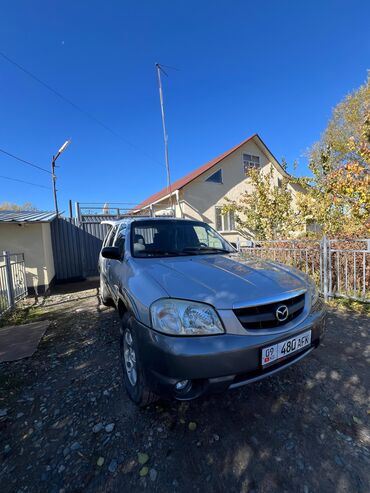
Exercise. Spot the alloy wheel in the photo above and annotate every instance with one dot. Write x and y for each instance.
(129, 357)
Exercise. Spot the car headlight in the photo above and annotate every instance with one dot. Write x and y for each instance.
(185, 318)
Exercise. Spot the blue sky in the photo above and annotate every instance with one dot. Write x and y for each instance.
(272, 67)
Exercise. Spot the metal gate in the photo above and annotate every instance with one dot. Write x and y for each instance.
(76, 247)
(339, 267)
(13, 283)
(77, 241)
(348, 268)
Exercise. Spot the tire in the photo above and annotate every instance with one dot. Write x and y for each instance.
(134, 380)
(105, 299)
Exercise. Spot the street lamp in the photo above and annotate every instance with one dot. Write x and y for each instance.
(54, 178)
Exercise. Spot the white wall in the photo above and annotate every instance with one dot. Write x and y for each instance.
(199, 198)
(34, 240)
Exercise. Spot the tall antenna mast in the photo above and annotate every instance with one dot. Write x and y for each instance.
(165, 137)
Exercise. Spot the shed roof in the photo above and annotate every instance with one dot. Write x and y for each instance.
(27, 216)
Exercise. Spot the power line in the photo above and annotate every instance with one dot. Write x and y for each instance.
(57, 93)
(24, 161)
(77, 107)
(22, 181)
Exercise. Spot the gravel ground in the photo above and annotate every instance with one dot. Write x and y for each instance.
(66, 424)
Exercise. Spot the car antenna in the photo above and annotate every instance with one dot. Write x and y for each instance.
(165, 137)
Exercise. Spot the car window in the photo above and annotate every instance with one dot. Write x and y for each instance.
(105, 241)
(119, 241)
(175, 237)
(208, 237)
(112, 234)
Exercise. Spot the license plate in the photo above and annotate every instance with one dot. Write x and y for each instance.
(272, 354)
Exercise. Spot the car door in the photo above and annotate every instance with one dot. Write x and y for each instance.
(117, 273)
(105, 262)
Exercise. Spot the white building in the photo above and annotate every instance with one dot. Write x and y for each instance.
(201, 194)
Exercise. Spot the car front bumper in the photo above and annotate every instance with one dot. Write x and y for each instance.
(214, 363)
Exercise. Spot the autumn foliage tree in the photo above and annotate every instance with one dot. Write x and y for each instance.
(338, 195)
(10, 206)
(264, 210)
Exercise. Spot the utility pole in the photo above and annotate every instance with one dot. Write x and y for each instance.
(54, 180)
(53, 176)
(165, 137)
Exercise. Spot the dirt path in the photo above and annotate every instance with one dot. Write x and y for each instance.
(66, 424)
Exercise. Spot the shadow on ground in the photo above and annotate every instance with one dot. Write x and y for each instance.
(67, 425)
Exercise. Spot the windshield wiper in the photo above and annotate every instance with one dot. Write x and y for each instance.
(173, 253)
(202, 249)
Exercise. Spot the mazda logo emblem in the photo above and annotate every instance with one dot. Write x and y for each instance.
(282, 313)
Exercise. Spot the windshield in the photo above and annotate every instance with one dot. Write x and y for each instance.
(170, 238)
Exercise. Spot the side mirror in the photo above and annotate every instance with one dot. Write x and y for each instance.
(112, 253)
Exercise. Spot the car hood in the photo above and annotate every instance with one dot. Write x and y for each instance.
(224, 281)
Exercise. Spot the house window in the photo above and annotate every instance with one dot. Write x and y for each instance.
(224, 222)
(218, 221)
(279, 183)
(216, 177)
(250, 162)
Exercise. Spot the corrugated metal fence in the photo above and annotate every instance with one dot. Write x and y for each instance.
(76, 247)
(77, 243)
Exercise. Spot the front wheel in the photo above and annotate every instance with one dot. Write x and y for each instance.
(133, 375)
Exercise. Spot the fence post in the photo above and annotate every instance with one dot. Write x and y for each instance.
(78, 212)
(9, 279)
(325, 265)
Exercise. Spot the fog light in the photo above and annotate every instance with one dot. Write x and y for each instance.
(182, 385)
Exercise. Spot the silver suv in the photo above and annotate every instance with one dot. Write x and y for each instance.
(197, 316)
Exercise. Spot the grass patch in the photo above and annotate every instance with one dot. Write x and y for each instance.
(21, 315)
(353, 305)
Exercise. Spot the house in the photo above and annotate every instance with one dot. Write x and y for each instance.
(201, 194)
(29, 232)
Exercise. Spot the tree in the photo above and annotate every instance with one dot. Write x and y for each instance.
(338, 195)
(266, 210)
(9, 206)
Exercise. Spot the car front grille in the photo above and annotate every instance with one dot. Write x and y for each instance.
(264, 316)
